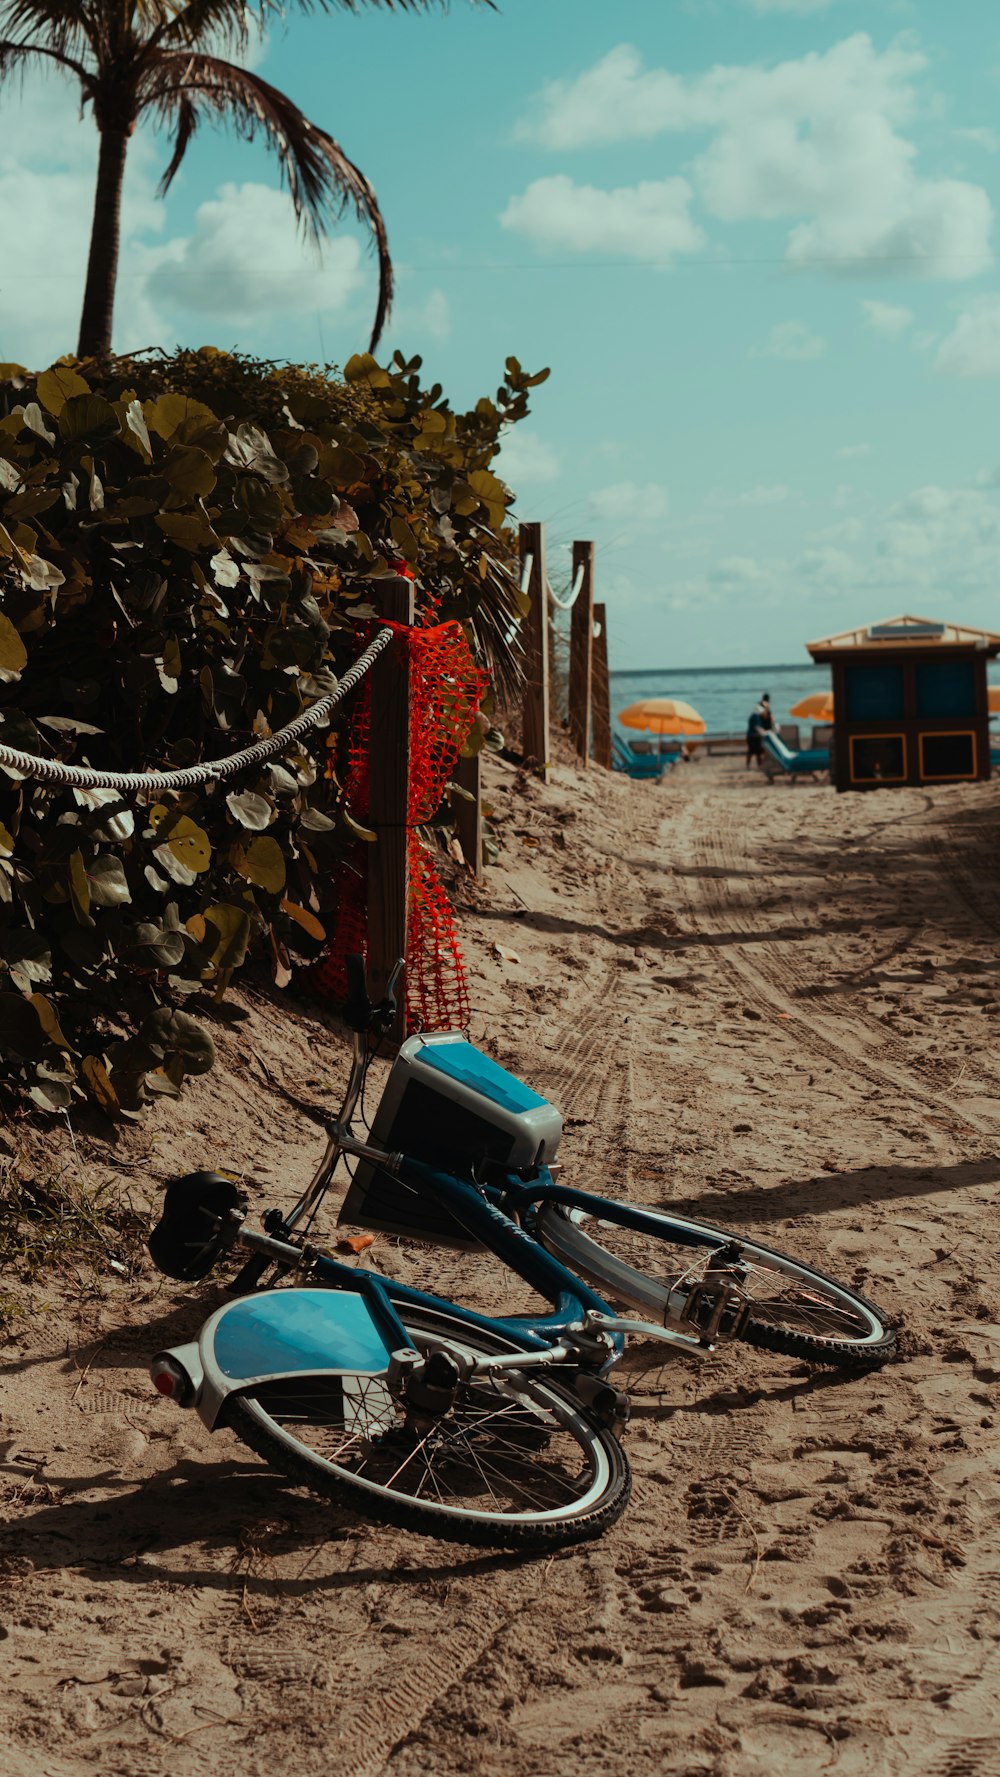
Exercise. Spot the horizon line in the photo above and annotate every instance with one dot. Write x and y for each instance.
(767, 666)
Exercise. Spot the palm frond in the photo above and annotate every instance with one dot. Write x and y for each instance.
(181, 90)
(20, 58)
(65, 25)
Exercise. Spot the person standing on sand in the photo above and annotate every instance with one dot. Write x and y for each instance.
(761, 721)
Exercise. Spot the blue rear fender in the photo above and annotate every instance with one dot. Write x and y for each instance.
(281, 1334)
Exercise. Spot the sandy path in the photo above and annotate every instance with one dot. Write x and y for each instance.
(774, 1008)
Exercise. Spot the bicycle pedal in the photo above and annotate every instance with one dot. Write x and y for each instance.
(718, 1309)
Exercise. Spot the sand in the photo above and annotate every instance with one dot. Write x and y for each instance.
(772, 1007)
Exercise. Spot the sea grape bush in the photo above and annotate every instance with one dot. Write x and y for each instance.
(188, 547)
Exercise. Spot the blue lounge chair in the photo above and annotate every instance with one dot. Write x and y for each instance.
(636, 764)
(779, 760)
(644, 759)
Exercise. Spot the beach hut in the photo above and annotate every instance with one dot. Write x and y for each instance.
(910, 702)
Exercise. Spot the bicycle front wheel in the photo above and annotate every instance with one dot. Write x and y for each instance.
(794, 1310)
(514, 1463)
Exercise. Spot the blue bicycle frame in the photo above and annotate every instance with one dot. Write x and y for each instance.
(487, 1223)
(352, 1325)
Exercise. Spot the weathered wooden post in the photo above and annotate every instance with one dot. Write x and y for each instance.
(469, 815)
(602, 691)
(389, 802)
(535, 737)
(581, 650)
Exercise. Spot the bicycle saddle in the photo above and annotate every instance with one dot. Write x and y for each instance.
(193, 1230)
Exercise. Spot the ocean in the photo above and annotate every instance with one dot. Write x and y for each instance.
(725, 695)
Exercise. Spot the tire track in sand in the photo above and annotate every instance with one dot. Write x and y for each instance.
(768, 975)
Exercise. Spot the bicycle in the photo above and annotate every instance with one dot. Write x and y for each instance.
(497, 1431)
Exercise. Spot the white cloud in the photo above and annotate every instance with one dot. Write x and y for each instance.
(799, 6)
(742, 570)
(48, 169)
(814, 141)
(525, 460)
(825, 564)
(887, 318)
(981, 138)
(243, 268)
(972, 348)
(650, 221)
(934, 551)
(762, 496)
(436, 315)
(629, 503)
(246, 262)
(854, 450)
(791, 339)
(752, 496)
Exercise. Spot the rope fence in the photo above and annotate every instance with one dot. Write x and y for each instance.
(403, 744)
(82, 777)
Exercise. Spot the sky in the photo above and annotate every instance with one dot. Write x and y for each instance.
(754, 240)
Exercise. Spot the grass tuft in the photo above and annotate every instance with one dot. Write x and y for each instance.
(55, 1227)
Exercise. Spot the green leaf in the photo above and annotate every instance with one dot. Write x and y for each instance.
(168, 1033)
(57, 386)
(97, 1080)
(13, 653)
(184, 841)
(250, 810)
(164, 415)
(363, 368)
(88, 416)
(48, 1018)
(189, 530)
(315, 821)
(189, 472)
(79, 888)
(305, 919)
(357, 829)
(265, 865)
(233, 927)
(51, 1095)
(21, 1033)
(108, 882)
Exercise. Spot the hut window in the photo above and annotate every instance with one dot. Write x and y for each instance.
(947, 755)
(874, 693)
(878, 758)
(946, 688)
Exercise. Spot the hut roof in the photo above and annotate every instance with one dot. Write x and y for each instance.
(916, 633)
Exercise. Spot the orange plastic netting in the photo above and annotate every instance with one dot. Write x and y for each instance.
(446, 688)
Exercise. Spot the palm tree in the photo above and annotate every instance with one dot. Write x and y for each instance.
(160, 59)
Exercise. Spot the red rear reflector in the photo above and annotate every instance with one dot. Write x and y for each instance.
(164, 1383)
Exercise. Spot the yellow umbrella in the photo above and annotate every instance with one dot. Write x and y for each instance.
(817, 707)
(662, 715)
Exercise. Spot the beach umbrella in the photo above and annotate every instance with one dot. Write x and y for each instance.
(662, 715)
(817, 707)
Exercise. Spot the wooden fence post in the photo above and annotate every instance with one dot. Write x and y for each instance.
(602, 691)
(581, 651)
(389, 802)
(469, 815)
(535, 736)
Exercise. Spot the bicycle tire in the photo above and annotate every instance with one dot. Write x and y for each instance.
(278, 1420)
(815, 1317)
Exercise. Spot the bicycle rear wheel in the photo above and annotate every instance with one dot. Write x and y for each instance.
(515, 1462)
(795, 1310)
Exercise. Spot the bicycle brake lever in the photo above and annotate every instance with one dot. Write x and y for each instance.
(383, 1015)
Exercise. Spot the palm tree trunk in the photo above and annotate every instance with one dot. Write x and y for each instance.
(102, 266)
